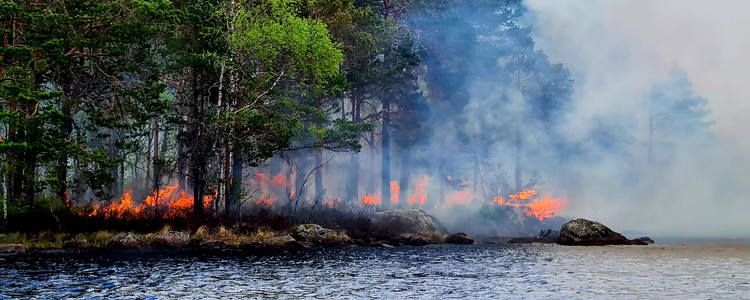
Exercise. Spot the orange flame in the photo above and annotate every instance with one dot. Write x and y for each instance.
(547, 207)
(420, 196)
(371, 200)
(161, 203)
(395, 189)
(523, 195)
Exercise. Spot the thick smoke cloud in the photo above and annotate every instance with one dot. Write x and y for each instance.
(620, 53)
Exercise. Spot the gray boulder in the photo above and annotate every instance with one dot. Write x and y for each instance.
(126, 241)
(395, 222)
(582, 232)
(319, 236)
(410, 239)
(171, 239)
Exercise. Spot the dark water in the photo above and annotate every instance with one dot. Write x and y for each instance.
(437, 272)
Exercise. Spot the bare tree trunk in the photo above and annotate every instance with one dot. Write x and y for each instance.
(156, 162)
(113, 153)
(385, 175)
(236, 182)
(147, 186)
(227, 179)
(404, 181)
(352, 184)
(319, 189)
(5, 201)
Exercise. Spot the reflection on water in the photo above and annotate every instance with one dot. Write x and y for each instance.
(442, 271)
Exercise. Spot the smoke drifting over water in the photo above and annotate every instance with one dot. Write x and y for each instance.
(620, 52)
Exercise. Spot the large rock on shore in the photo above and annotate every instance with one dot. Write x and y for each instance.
(319, 236)
(396, 222)
(126, 241)
(410, 239)
(171, 239)
(459, 238)
(582, 232)
(12, 248)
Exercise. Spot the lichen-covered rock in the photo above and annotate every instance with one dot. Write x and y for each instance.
(459, 238)
(319, 236)
(410, 239)
(171, 239)
(395, 222)
(126, 241)
(12, 248)
(582, 232)
(75, 245)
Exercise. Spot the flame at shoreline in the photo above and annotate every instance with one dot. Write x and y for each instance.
(395, 190)
(162, 202)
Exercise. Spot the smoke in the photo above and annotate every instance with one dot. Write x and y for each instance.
(622, 54)
(629, 111)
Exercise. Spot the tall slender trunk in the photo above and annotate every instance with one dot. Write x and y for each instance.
(148, 184)
(386, 158)
(181, 160)
(62, 161)
(114, 154)
(352, 184)
(28, 186)
(301, 174)
(5, 202)
(156, 162)
(236, 182)
(404, 181)
(227, 179)
(319, 189)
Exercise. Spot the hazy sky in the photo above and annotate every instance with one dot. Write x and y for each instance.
(618, 49)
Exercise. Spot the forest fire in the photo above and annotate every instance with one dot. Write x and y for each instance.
(395, 190)
(371, 200)
(544, 208)
(163, 202)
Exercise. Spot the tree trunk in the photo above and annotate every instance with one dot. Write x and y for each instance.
(181, 160)
(29, 174)
(236, 182)
(404, 181)
(386, 158)
(113, 154)
(228, 178)
(319, 189)
(352, 184)
(156, 162)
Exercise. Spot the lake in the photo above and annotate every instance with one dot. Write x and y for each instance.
(436, 271)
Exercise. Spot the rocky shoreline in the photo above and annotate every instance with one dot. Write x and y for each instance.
(391, 229)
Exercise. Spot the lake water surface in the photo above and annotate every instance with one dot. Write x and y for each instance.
(437, 272)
